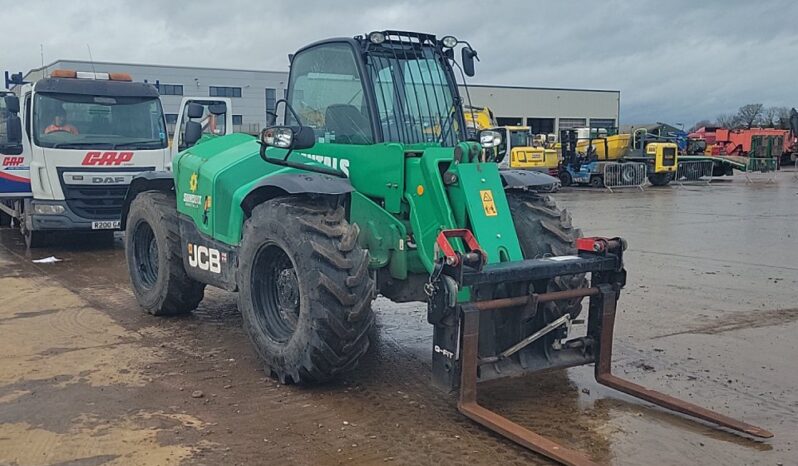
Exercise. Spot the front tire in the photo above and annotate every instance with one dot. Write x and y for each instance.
(155, 257)
(545, 230)
(305, 290)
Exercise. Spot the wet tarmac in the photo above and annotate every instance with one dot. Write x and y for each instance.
(710, 314)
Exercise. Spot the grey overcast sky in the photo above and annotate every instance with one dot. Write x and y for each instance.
(675, 62)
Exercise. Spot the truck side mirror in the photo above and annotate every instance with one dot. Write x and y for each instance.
(13, 144)
(217, 109)
(468, 56)
(192, 133)
(12, 103)
(288, 137)
(195, 110)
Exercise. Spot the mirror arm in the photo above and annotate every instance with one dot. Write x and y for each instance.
(298, 165)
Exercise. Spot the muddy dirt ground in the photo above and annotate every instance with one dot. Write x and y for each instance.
(710, 314)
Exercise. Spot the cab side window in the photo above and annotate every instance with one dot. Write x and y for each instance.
(327, 95)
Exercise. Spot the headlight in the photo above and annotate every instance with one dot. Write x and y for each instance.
(377, 37)
(449, 41)
(48, 209)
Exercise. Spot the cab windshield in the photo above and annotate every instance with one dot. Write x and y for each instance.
(86, 121)
(413, 93)
(519, 138)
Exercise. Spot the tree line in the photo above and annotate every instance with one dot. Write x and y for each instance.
(750, 116)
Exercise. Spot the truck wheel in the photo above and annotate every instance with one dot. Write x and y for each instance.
(34, 238)
(660, 179)
(596, 181)
(305, 290)
(545, 230)
(155, 257)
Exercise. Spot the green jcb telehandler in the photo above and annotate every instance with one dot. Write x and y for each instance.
(371, 186)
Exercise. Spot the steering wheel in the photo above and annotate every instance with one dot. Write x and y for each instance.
(59, 130)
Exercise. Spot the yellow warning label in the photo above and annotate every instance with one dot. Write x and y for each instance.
(487, 203)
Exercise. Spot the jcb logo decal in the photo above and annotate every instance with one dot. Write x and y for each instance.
(107, 158)
(13, 161)
(204, 258)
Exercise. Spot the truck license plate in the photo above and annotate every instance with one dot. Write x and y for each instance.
(105, 225)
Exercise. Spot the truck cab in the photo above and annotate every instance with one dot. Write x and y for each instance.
(84, 137)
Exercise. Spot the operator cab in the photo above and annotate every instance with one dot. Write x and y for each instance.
(387, 86)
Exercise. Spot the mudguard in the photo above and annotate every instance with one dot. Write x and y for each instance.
(294, 183)
(146, 181)
(529, 179)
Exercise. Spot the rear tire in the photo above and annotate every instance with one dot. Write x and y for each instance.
(155, 257)
(660, 179)
(566, 179)
(544, 230)
(305, 290)
(596, 181)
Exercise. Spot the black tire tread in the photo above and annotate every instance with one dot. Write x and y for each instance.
(342, 289)
(545, 230)
(180, 294)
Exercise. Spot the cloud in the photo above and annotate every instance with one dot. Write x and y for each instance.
(677, 61)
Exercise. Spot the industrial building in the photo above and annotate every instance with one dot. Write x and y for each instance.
(255, 92)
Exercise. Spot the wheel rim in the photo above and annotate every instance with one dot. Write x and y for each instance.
(276, 294)
(145, 254)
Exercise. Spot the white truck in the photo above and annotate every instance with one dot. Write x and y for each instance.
(84, 137)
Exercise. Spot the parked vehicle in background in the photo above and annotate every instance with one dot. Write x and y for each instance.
(85, 136)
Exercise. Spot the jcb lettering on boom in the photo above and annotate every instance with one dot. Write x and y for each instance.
(107, 158)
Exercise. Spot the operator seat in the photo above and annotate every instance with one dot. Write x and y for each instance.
(348, 124)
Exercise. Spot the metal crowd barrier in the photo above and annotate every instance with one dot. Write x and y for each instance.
(694, 171)
(624, 175)
(767, 165)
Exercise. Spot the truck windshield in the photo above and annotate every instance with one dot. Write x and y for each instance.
(85, 121)
(414, 97)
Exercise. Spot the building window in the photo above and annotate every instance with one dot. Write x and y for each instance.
(602, 123)
(570, 123)
(170, 89)
(540, 125)
(221, 91)
(171, 118)
(238, 120)
(509, 121)
(271, 101)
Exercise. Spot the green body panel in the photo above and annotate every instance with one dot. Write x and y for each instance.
(490, 218)
(400, 199)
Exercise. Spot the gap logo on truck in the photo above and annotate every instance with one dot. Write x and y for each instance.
(107, 158)
(13, 161)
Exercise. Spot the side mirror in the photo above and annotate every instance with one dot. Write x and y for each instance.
(12, 103)
(468, 56)
(192, 133)
(490, 139)
(288, 137)
(218, 109)
(195, 110)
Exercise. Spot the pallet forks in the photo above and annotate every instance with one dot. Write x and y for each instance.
(461, 360)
